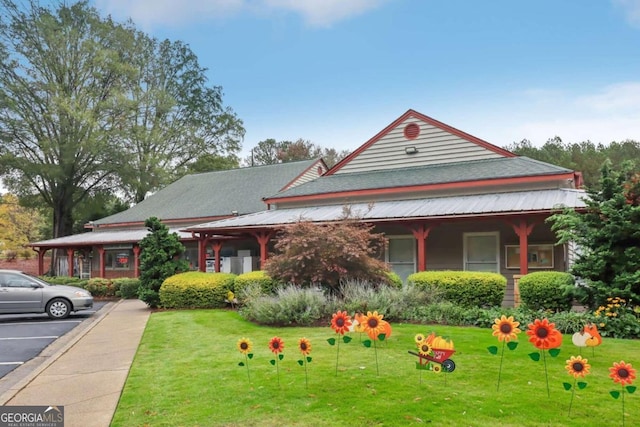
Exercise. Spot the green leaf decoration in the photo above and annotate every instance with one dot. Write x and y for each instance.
(309, 359)
(241, 364)
(534, 356)
(615, 394)
(301, 362)
(582, 385)
(346, 339)
(554, 352)
(281, 356)
(273, 362)
(421, 367)
(366, 343)
(331, 341)
(493, 349)
(250, 355)
(511, 345)
(566, 386)
(631, 389)
(382, 337)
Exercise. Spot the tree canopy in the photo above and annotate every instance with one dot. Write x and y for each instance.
(89, 106)
(270, 151)
(586, 157)
(19, 225)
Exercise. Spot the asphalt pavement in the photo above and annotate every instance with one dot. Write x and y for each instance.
(85, 370)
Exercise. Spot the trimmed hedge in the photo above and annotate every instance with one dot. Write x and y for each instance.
(126, 288)
(464, 288)
(547, 290)
(260, 277)
(394, 280)
(196, 289)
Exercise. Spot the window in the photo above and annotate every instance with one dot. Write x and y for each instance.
(401, 255)
(121, 259)
(539, 256)
(481, 252)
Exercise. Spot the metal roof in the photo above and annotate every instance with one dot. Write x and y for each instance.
(213, 194)
(476, 170)
(105, 238)
(437, 207)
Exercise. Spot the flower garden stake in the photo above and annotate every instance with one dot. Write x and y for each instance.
(304, 345)
(544, 336)
(506, 329)
(576, 367)
(622, 373)
(245, 346)
(276, 345)
(375, 327)
(340, 322)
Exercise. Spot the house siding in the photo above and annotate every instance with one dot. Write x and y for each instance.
(434, 145)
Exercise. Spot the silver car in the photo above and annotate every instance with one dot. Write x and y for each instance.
(23, 293)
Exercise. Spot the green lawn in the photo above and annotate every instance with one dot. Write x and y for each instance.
(186, 373)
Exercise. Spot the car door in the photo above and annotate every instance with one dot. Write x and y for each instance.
(19, 294)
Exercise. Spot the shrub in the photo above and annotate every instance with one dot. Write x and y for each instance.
(260, 277)
(309, 254)
(100, 287)
(394, 280)
(292, 305)
(196, 289)
(618, 319)
(465, 288)
(126, 288)
(547, 290)
(65, 280)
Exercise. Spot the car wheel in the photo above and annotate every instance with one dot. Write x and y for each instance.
(58, 308)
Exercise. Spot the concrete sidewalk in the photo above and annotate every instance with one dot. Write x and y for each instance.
(85, 372)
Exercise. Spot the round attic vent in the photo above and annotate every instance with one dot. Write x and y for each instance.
(411, 131)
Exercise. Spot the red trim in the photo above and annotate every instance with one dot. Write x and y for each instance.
(136, 260)
(424, 187)
(427, 119)
(314, 164)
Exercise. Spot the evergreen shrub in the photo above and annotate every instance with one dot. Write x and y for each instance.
(547, 290)
(196, 289)
(464, 288)
(126, 287)
(259, 277)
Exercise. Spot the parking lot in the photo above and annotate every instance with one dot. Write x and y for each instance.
(24, 336)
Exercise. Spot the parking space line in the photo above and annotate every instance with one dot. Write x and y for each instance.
(11, 363)
(41, 323)
(30, 338)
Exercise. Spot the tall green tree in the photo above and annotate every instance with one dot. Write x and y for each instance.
(607, 236)
(174, 117)
(159, 259)
(62, 78)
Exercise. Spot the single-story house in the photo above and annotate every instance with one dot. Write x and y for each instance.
(445, 199)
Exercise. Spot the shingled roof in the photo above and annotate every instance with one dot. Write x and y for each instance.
(213, 194)
(507, 167)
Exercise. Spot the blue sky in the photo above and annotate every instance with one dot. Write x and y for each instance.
(336, 72)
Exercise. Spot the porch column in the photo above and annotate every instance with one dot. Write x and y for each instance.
(523, 230)
(41, 261)
(202, 252)
(70, 252)
(136, 261)
(263, 239)
(420, 232)
(102, 261)
(216, 245)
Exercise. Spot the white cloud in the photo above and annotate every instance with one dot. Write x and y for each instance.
(631, 10)
(149, 13)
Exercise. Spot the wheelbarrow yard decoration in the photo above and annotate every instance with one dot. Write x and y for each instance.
(434, 353)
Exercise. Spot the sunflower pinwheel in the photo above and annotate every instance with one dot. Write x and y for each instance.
(622, 373)
(506, 330)
(245, 346)
(577, 367)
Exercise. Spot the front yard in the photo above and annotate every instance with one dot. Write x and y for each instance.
(187, 373)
